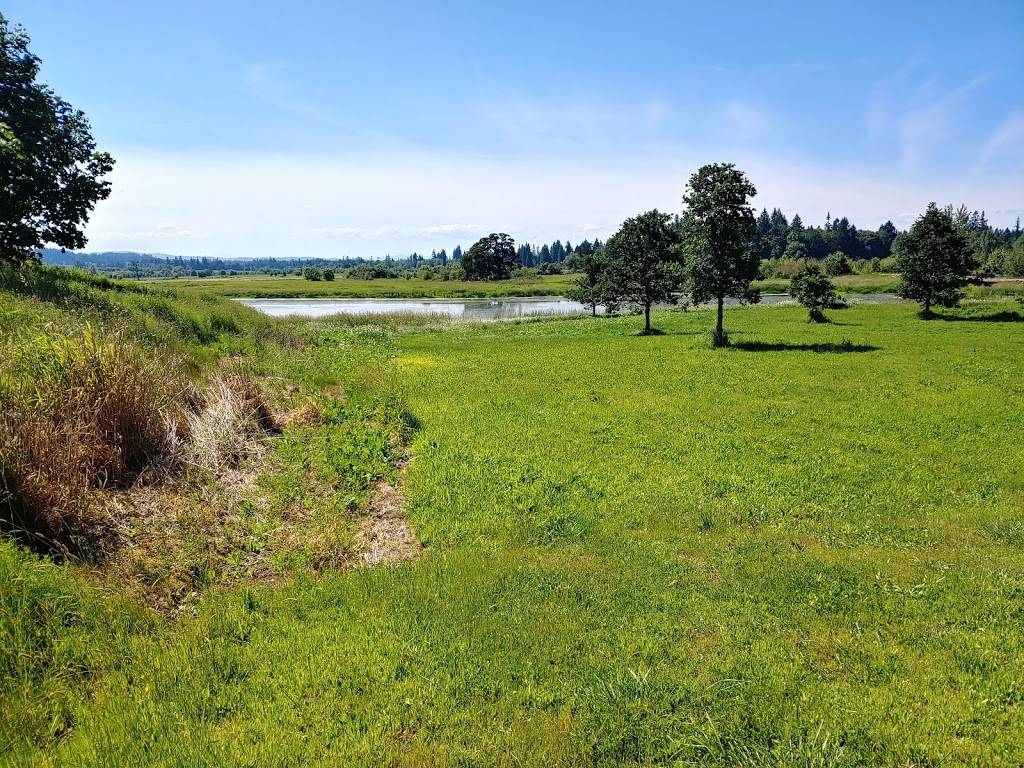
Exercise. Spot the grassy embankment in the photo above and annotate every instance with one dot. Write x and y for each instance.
(803, 550)
(159, 443)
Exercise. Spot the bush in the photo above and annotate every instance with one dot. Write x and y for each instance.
(1013, 260)
(311, 273)
(784, 268)
(815, 291)
(328, 275)
(367, 272)
(836, 264)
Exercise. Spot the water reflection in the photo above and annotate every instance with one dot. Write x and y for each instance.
(471, 309)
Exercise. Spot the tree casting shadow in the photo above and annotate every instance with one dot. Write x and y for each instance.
(1004, 316)
(822, 347)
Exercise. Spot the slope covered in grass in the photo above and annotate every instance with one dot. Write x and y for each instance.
(804, 550)
(154, 445)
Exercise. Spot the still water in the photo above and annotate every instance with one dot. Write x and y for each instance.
(468, 309)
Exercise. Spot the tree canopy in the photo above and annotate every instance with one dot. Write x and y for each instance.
(51, 175)
(595, 286)
(645, 262)
(935, 259)
(719, 234)
(491, 258)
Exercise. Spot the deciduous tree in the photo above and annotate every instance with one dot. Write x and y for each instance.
(645, 262)
(719, 233)
(491, 258)
(814, 290)
(51, 175)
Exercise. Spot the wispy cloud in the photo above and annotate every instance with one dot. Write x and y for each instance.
(574, 122)
(1007, 140)
(922, 117)
(338, 231)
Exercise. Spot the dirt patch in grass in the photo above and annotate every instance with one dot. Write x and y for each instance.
(385, 537)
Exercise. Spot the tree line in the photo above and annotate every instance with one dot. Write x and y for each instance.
(53, 175)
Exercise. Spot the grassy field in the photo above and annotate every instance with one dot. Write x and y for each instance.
(804, 550)
(266, 286)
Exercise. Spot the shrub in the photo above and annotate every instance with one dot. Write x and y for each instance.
(311, 273)
(87, 413)
(328, 275)
(367, 272)
(1013, 259)
(836, 264)
(815, 291)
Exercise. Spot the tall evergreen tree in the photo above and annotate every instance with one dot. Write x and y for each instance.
(935, 260)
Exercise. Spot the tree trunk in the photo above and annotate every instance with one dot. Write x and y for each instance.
(721, 311)
(647, 318)
(593, 310)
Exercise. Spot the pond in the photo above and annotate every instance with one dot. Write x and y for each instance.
(471, 309)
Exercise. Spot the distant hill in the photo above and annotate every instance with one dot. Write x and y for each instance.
(134, 264)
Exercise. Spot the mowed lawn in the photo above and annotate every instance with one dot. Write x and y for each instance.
(804, 550)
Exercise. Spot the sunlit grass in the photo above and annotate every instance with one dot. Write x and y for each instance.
(803, 550)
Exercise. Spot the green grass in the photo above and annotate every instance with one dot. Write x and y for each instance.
(868, 283)
(265, 286)
(803, 550)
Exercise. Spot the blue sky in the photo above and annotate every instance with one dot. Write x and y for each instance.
(331, 129)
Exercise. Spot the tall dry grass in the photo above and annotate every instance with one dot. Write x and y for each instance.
(230, 425)
(81, 413)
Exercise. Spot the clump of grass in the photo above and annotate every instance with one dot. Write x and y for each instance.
(231, 424)
(81, 413)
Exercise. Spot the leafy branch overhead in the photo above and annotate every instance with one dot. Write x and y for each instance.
(51, 175)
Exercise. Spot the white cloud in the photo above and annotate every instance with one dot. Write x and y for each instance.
(289, 205)
(451, 229)
(933, 120)
(338, 231)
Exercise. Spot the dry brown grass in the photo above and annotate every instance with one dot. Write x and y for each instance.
(85, 415)
(231, 424)
(89, 413)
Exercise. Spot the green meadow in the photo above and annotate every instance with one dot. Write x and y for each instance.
(806, 549)
(294, 286)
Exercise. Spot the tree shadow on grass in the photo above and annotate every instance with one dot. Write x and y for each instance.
(820, 347)
(1005, 316)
